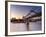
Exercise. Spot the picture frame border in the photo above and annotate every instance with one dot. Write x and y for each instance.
(6, 18)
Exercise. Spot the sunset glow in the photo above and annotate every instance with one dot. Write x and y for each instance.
(16, 16)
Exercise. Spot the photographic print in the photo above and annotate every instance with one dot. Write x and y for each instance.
(25, 18)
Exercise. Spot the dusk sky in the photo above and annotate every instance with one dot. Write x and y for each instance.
(18, 11)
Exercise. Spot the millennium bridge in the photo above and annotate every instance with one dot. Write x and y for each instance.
(32, 16)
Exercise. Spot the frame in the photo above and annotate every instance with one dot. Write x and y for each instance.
(10, 4)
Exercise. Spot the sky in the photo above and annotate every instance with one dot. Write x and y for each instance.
(18, 11)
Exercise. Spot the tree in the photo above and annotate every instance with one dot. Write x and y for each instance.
(13, 19)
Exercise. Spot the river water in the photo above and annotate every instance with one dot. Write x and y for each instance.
(33, 26)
